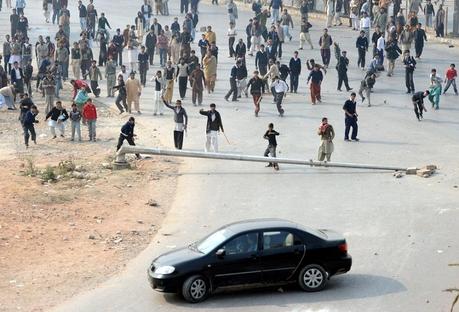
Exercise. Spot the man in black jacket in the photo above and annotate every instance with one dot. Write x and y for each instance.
(418, 103)
(261, 64)
(362, 47)
(350, 118)
(248, 32)
(270, 135)
(241, 50)
(150, 43)
(295, 71)
(17, 78)
(28, 125)
(127, 133)
(28, 71)
(83, 15)
(343, 62)
(410, 65)
(118, 40)
(233, 82)
(419, 38)
(256, 87)
(143, 65)
(214, 125)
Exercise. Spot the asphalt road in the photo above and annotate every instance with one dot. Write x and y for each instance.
(402, 233)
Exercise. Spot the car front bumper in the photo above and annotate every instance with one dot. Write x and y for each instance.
(169, 283)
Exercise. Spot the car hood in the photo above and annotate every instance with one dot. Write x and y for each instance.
(178, 256)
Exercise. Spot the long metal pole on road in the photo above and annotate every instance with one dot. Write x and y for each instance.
(121, 158)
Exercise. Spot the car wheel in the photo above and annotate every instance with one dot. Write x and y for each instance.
(312, 278)
(195, 289)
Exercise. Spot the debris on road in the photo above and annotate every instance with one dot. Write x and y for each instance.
(152, 203)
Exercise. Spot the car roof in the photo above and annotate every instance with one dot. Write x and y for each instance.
(258, 224)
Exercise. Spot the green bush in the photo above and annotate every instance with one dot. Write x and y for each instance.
(30, 169)
(48, 174)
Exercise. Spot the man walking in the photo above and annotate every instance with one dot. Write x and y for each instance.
(169, 75)
(327, 134)
(143, 59)
(304, 34)
(350, 120)
(28, 125)
(270, 135)
(419, 38)
(410, 65)
(274, 6)
(392, 53)
(261, 63)
(362, 48)
(256, 87)
(133, 92)
(150, 43)
(110, 74)
(325, 43)
(295, 71)
(343, 63)
(118, 40)
(94, 77)
(181, 122)
(83, 14)
(316, 77)
(233, 82)
(214, 125)
(197, 85)
(280, 88)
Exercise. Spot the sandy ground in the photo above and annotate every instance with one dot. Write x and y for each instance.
(60, 237)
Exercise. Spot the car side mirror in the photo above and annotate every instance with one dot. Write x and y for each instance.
(220, 253)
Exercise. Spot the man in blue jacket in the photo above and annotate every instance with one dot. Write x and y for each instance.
(28, 125)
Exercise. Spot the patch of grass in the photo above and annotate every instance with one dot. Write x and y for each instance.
(30, 169)
(48, 174)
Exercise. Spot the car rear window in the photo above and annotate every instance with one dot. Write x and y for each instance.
(314, 232)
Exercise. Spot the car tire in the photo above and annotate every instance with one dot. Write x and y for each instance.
(312, 277)
(195, 289)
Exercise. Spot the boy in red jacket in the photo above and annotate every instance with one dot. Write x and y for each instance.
(450, 78)
(90, 116)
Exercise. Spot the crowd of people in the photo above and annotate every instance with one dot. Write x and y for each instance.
(191, 61)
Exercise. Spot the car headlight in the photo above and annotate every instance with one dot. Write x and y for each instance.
(167, 269)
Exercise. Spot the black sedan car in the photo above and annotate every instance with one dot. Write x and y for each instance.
(254, 252)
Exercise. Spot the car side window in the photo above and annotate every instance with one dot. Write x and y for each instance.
(280, 239)
(241, 244)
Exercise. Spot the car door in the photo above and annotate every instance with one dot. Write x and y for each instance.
(240, 263)
(281, 255)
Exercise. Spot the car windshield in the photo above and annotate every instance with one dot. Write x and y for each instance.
(211, 242)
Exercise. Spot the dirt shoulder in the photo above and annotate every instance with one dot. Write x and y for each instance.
(70, 227)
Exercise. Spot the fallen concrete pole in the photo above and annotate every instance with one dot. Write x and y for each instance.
(121, 159)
